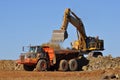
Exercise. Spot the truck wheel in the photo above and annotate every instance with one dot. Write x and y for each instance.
(95, 54)
(28, 67)
(41, 65)
(73, 65)
(99, 54)
(63, 66)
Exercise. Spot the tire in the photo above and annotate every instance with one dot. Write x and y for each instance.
(99, 54)
(73, 65)
(28, 67)
(63, 66)
(95, 54)
(41, 65)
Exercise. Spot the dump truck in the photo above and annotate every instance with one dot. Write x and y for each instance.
(42, 58)
(45, 57)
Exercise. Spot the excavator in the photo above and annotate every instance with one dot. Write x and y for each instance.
(84, 43)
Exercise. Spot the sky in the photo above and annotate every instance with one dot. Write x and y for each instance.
(25, 22)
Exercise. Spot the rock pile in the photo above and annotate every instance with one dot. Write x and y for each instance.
(7, 65)
(102, 63)
(10, 65)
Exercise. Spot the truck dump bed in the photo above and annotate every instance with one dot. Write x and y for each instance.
(66, 54)
(66, 51)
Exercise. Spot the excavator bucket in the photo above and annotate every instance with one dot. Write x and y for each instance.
(59, 35)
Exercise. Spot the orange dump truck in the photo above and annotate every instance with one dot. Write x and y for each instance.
(46, 58)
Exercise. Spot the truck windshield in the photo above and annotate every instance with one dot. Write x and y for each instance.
(32, 49)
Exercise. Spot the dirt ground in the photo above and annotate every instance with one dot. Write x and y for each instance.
(102, 68)
(108, 74)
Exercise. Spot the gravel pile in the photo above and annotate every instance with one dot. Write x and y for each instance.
(102, 63)
(7, 65)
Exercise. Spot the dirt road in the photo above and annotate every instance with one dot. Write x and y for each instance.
(78, 75)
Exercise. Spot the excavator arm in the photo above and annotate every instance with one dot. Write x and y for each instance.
(61, 35)
(71, 17)
(83, 43)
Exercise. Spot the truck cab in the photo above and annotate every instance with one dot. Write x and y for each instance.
(32, 51)
(36, 56)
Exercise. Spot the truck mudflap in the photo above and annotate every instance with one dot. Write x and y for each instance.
(28, 61)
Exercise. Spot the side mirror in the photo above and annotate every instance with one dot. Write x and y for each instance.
(23, 48)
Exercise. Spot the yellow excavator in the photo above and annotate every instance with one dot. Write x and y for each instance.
(84, 43)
